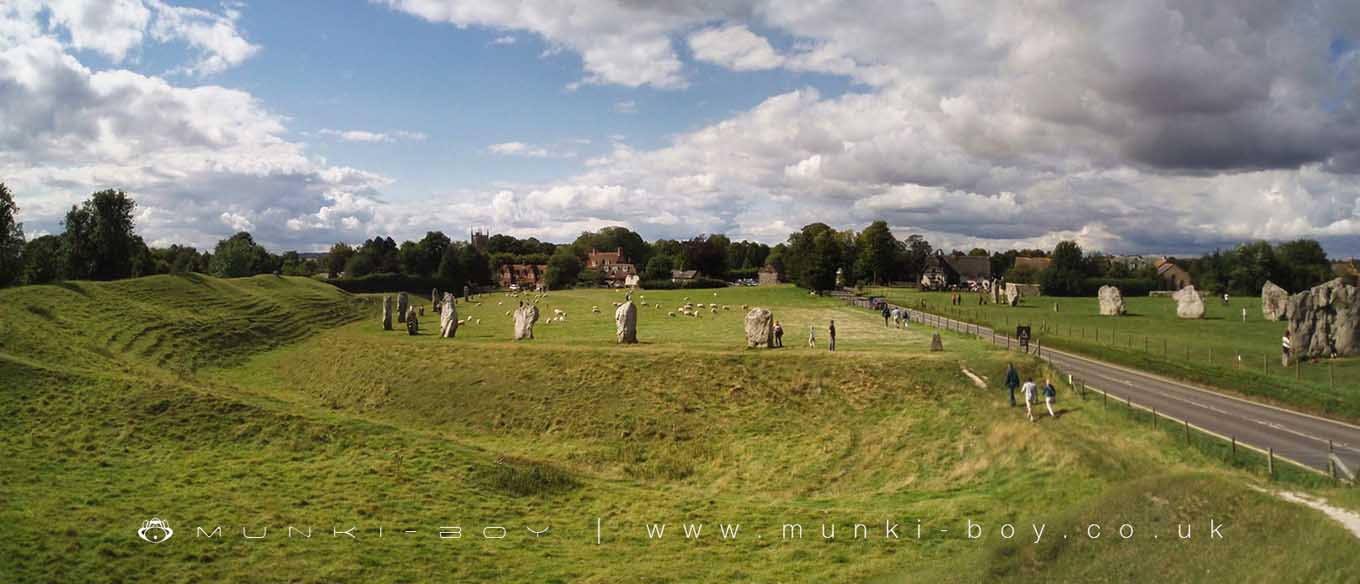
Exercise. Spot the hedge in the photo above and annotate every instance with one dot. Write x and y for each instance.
(374, 283)
(1126, 286)
(684, 285)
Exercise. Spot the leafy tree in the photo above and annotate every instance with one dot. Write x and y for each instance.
(99, 238)
(428, 253)
(43, 259)
(337, 258)
(450, 271)
(707, 254)
(917, 253)
(775, 259)
(635, 249)
(590, 278)
(977, 251)
(879, 253)
(239, 256)
(384, 253)
(1067, 274)
(11, 240)
(659, 267)
(360, 265)
(474, 265)
(563, 268)
(819, 272)
(1303, 264)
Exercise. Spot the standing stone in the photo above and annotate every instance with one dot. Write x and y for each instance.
(387, 313)
(434, 299)
(448, 317)
(1274, 302)
(403, 303)
(1012, 294)
(936, 343)
(1188, 303)
(759, 328)
(1323, 320)
(625, 323)
(412, 322)
(1111, 301)
(996, 292)
(525, 317)
(420, 311)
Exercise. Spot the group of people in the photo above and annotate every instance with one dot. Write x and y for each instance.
(1030, 391)
(896, 317)
(812, 335)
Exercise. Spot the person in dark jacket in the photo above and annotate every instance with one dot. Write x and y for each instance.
(831, 331)
(1050, 393)
(887, 314)
(1012, 381)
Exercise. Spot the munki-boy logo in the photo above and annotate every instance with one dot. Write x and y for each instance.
(155, 530)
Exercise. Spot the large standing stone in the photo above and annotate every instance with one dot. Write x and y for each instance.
(1274, 302)
(525, 317)
(625, 323)
(760, 328)
(448, 317)
(412, 322)
(1188, 303)
(403, 303)
(434, 299)
(1111, 301)
(1323, 320)
(996, 292)
(387, 313)
(936, 343)
(1012, 294)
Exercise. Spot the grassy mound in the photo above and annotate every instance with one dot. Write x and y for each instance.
(330, 422)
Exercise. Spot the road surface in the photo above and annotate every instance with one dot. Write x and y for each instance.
(1300, 438)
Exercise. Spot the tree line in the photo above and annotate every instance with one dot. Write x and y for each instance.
(99, 242)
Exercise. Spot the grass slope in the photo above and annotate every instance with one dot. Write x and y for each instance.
(298, 414)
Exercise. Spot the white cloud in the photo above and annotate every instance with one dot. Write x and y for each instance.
(220, 45)
(503, 40)
(626, 106)
(529, 150)
(367, 136)
(734, 47)
(113, 28)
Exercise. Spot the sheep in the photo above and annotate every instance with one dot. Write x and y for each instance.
(672, 314)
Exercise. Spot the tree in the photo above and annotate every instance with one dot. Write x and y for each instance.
(563, 268)
(336, 259)
(239, 256)
(917, 253)
(475, 266)
(43, 258)
(635, 249)
(707, 254)
(99, 238)
(819, 272)
(977, 251)
(1066, 276)
(11, 240)
(659, 267)
(429, 251)
(879, 253)
(360, 265)
(1301, 265)
(450, 270)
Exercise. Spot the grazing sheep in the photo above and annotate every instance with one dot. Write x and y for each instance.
(672, 314)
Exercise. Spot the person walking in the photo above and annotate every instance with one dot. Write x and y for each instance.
(1012, 381)
(1285, 347)
(887, 314)
(778, 334)
(831, 332)
(812, 336)
(1029, 389)
(1050, 394)
(906, 318)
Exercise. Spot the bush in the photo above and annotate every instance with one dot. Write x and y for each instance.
(1126, 286)
(375, 283)
(696, 283)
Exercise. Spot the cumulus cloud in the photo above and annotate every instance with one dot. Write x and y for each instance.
(625, 106)
(522, 149)
(735, 47)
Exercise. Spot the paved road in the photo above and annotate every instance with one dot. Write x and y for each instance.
(1300, 438)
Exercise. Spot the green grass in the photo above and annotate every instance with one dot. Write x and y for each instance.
(308, 414)
(1152, 338)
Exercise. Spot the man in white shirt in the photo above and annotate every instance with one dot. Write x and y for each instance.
(1030, 389)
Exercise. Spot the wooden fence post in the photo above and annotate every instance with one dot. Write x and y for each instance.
(1234, 446)
(1187, 432)
(1270, 461)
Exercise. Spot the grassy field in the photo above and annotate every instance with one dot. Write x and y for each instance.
(268, 402)
(1151, 337)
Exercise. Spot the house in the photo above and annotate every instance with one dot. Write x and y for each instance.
(679, 276)
(951, 270)
(1171, 275)
(525, 276)
(768, 276)
(613, 265)
(1033, 264)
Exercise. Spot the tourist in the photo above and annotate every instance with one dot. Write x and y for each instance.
(1225, 298)
(906, 318)
(812, 336)
(1028, 389)
(1012, 381)
(1050, 393)
(831, 332)
(778, 334)
(887, 314)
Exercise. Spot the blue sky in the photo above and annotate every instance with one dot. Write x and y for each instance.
(1174, 127)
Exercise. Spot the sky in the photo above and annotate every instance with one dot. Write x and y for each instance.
(1157, 126)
